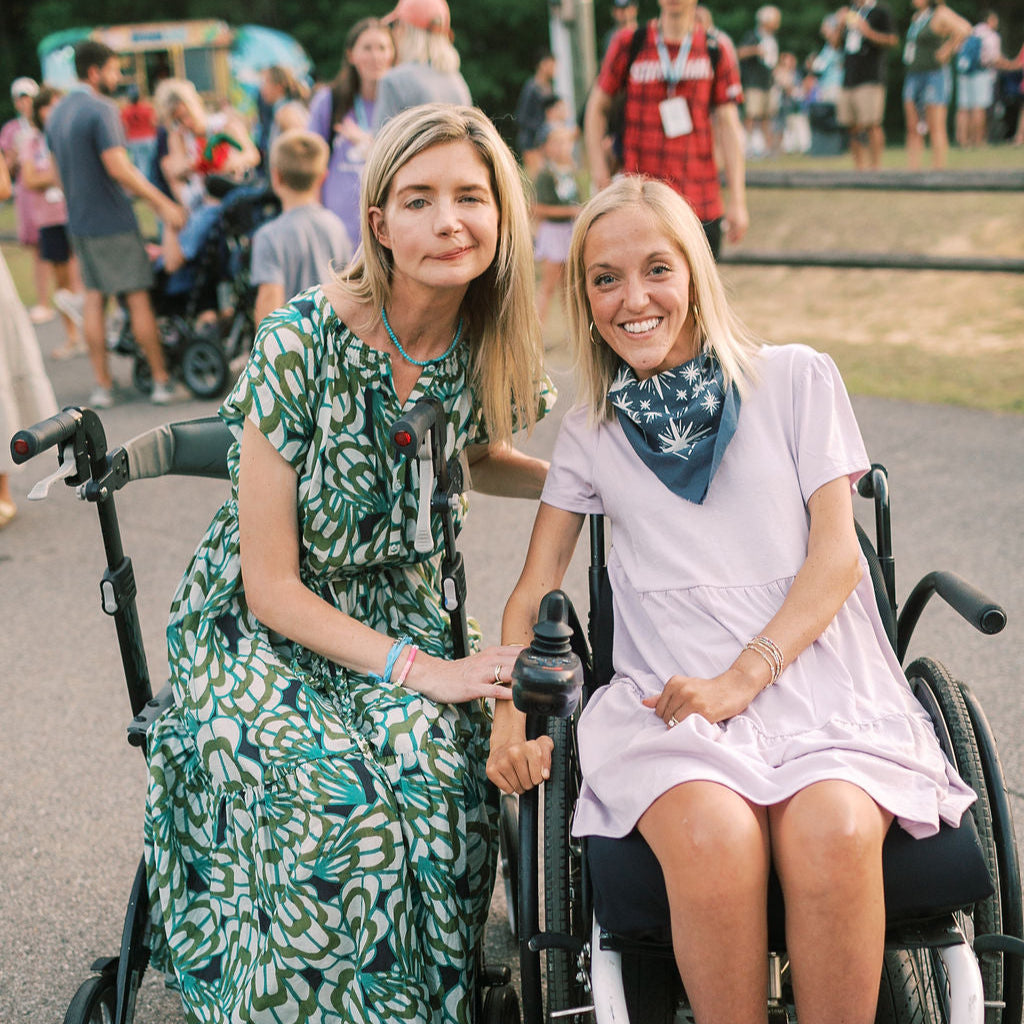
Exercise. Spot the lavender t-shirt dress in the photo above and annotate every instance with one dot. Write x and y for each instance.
(692, 583)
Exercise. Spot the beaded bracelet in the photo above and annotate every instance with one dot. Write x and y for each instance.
(393, 655)
(768, 650)
(413, 650)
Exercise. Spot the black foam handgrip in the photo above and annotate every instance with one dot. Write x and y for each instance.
(408, 433)
(28, 443)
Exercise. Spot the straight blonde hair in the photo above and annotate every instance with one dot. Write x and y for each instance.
(500, 313)
(722, 333)
(414, 45)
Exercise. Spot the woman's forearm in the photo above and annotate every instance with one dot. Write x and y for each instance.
(506, 472)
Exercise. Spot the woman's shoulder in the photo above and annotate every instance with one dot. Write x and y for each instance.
(789, 360)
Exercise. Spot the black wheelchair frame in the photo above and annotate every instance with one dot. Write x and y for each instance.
(199, 448)
(953, 901)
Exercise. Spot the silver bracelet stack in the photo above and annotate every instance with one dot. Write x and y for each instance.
(770, 652)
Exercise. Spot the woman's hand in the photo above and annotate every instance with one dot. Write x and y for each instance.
(472, 678)
(516, 764)
(714, 699)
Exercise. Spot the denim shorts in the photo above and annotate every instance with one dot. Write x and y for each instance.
(928, 88)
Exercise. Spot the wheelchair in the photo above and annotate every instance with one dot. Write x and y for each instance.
(954, 920)
(201, 354)
(199, 448)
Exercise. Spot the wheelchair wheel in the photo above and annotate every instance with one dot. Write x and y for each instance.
(204, 368)
(912, 990)
(508, 845)
(93, 1003)
(501, 1006)
(142, 375)
(943, 698)
(563, 876)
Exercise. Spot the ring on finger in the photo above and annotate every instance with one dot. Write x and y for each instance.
(672, 721)
(497, 673)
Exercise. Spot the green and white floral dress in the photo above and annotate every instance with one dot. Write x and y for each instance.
(321, 847)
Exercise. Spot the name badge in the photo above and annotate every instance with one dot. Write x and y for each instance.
(675, 117)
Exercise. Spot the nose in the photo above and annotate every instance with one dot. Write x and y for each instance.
(446, 219)
(636, 296)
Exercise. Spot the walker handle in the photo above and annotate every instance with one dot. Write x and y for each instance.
(28, 443)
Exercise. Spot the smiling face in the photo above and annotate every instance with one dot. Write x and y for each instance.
(440, 220)
(638, 290)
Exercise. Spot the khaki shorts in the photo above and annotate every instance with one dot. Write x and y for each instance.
(760, 103)
(863, 105)
(113, 264)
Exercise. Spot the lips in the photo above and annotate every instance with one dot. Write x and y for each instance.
(454, 254)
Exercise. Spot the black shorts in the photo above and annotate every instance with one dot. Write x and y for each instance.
(54, 245)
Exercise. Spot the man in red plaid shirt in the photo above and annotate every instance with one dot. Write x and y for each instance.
(680, 98)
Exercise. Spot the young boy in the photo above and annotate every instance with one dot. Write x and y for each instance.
(294, 251)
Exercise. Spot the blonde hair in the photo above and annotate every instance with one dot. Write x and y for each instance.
(506, 354)
(300, 158)
(414, 45)
(722, 333)
(174, 92)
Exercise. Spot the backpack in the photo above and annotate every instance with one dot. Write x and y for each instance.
(617, 108)
(968, 60)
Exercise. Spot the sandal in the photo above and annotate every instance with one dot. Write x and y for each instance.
(70, 349)
(8, 510)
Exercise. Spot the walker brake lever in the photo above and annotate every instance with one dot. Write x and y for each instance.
(424, 542)
(67, 468)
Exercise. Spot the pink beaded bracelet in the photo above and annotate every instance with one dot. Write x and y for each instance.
(400, 681)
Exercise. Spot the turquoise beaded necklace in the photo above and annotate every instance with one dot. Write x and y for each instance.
(420, 362)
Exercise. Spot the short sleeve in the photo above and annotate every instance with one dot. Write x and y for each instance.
(109, 130)
(266, 265)
(320, 114)
(828, 441)
(278, 385)
(570, 481)
(726, 87)
(612, 76)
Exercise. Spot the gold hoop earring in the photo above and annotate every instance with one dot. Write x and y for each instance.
(594, 341)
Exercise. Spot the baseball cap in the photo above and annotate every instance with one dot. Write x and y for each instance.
(429, 15)
(23, 87)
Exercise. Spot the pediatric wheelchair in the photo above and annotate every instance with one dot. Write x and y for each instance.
(201, 354)
(955, 925)
(199, 448)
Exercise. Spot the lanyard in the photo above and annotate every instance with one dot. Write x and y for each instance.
(361, 109)
(918, 24)
(673, 70)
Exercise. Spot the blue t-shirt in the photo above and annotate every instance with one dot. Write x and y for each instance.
(82, 127)
(192, 238)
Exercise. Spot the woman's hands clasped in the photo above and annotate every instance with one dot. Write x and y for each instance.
(716, 700)
(485, 674)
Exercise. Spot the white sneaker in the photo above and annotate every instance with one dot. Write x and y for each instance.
(167, 392)
(70, 304)
(101, 398)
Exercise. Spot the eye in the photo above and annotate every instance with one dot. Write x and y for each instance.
(660, 269)
(417, 203)
(601, 280)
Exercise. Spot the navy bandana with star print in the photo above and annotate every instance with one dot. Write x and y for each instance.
(678, 421)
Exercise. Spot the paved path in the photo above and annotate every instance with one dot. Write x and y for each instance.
(71, 790)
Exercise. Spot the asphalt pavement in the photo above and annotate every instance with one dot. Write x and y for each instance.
(72, 790)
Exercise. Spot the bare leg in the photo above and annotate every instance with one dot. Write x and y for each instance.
(876, 146)
(41, 277)
(95, 336)
(827, 849)
(857, 148)
(550, 276)
(915, 144)
(713, 849)
(935, 115)
(147, 334)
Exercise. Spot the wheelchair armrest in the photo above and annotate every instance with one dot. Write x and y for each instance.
(189, 448)
(140, 724)
(977, 608)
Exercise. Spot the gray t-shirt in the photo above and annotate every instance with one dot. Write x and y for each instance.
(296, 249)
(410, 85)
(83, 126)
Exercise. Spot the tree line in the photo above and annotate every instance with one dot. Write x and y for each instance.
(498, 39)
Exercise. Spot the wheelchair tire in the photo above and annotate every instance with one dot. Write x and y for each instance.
(508, 846)
(204, 368)
(936, 689)
(910, 988)
(142, 375)
(94, 1001)
(563, 876)
(501, 1006)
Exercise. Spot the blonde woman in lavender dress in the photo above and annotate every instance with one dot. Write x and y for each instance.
(757, 715)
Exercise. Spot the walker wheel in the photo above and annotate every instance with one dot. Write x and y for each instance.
(93, 1003)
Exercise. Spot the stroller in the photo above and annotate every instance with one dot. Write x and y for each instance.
(200, 354)
(199, 448)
